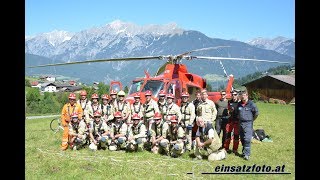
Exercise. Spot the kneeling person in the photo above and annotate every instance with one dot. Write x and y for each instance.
(99, 133)
(177, 138)
(208, 142)
(137, 134)
(119, 135)
(159, 135)
(77, 132)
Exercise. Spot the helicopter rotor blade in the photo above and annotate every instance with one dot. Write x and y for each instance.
(234, 59)
(102, 60)
(202, 49)
(161, 69)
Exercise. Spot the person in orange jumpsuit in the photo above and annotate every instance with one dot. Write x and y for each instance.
(67, 110)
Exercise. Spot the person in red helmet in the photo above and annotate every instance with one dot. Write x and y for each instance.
(137, 107)
(162, 103)
(177, 138)
(106, 108)
(150, 108)
(95, 107)
(78, 132)
(67, 110)
(84, 101)
(159, 135)
(137, 137)
(113, 97)
(119, 133)
(99, 133)
(172, 109)
(188, 116)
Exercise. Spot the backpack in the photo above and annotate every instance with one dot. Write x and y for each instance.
(259, 134)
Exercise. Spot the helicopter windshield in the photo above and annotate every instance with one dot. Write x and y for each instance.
(153, 86)
(135, 87)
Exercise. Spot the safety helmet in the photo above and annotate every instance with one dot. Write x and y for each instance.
(185, 94)
(97, 114)
(136, 117)
(162, 93)
(173, 119)
(117, 114)
(112, 92)
(136, 95)
(157, 115)
(74, 115)
(105, 96)
(72, 96)
(170, 95)
(95, 96)
(148, 93)
(83, 93)
(121, 93)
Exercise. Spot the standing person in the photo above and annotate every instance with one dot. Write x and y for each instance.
(222, 115)
(67, 110)
(78, 132)
(94, 107)
(197, 100)
(137, 107)
(150, 108)
(106, 108)
(123, 107)
(246, 112)
(187, 118)
(162, 102)
(113, 98)
(206, 108)
(208, 142)
(172, 109)
(232, 125)
(84, 102)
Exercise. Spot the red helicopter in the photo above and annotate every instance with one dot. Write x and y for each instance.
(172, 77)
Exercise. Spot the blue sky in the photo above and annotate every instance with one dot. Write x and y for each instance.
(227, 19)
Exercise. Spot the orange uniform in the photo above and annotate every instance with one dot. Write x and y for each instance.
(66, 113)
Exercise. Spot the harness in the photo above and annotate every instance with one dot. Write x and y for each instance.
(139, 126)
(84, 104)
(115, 127)
(93, 108)
(185, 109)
(119, 107)
(175, 135)
(108, 108)
(134, 109)
(94, 128)
(161, 124)
(206, 130)
(75, 126)
(146, 107)
(72, 110)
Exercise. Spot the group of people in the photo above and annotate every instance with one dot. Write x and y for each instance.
(160, 126)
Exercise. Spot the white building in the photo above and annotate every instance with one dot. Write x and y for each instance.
(48, 87)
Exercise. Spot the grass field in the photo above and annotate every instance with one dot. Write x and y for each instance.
(44, 160)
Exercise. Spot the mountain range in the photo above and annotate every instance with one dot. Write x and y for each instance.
(120, 39)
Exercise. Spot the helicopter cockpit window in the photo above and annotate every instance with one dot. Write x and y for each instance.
(135, 87)
(153, 86)
(171, 89)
